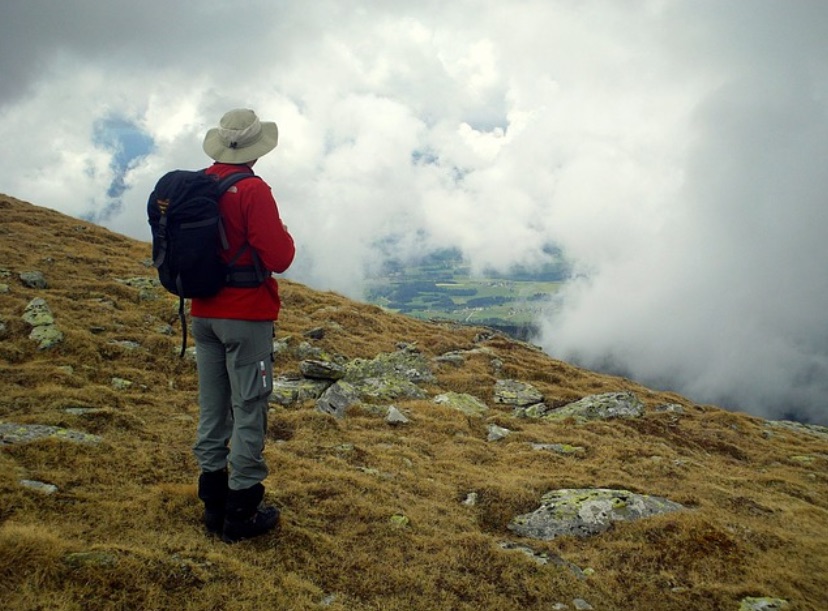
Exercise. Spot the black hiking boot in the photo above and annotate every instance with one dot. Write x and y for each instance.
(245, 517)
(212, 490)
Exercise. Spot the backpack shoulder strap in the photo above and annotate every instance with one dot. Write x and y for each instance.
(228, 181)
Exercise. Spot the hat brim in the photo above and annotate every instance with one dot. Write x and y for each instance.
(216, 150)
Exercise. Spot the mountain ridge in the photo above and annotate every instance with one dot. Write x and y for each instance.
(411, 515)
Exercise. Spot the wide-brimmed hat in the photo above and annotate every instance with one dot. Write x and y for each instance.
(240, 137)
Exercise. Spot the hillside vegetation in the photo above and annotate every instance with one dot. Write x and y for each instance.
(375, 515)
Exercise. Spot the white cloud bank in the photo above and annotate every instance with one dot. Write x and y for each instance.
(674, 149)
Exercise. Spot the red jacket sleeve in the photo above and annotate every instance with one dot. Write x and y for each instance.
(265, 231)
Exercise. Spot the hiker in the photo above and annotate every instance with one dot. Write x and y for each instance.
(234, 332)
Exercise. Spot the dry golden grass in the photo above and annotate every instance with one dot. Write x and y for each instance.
(758, 524)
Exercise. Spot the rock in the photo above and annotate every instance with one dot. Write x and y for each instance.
(587, 512)
(580, 603)
(451, 358)
(96, 559)
(543, 557)
(762, 604)
(46, 336)
(399, 520)
(4, 288)
(402, 364)
(39, 486)
(600, 407)
(538, 410)
(33, 280)
(395, 416)
(496, 433)
(337, 399)
(22, 433)
(4, 331)
(321, 370)
(146, 286)
(287, 391)
(809, 429)
(388, 389)
(669, 408)
(469, 405)
(559, 448)
(38, 313)
(315, 333)
(514, 392)
(120, 383)
(128, 344)
(471, 499)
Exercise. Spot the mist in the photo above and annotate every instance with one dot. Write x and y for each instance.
(673, 150)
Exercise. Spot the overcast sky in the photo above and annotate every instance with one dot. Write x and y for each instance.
(677, 151)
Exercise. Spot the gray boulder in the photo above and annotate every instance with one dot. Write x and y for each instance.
(337, 399)
(600, 407)
(33, 280)
(516, 393)
(587, 512)
(11, 433)
(321, 370)
(469, 405)
(287, 391)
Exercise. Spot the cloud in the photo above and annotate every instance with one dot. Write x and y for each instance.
(673, 150)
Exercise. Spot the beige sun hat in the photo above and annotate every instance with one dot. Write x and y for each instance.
(240, 137)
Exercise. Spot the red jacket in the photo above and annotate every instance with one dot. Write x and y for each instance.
(249, 214)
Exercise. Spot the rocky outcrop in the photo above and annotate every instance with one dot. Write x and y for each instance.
(600, 407)
(516, 393)
(44, 330)
(587, 512)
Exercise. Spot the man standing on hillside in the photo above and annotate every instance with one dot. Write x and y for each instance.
(233, 332)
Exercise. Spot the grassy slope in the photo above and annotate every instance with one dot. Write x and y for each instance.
(759, 523)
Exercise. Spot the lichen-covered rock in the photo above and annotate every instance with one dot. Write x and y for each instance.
(37, 313)
(11, 433)
(600, 407)
(516, 393)
(405, 364)
(337, 399)
(46, 336)
(469, 405)
(387, 389)
(587, 512)
(762, 604)
(321, 370)
(287, 391)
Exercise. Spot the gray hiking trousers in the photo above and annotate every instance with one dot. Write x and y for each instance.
(235, 379)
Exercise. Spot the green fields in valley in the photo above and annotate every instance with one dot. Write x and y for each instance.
(441, 287)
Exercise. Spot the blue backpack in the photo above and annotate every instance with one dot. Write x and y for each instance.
(188, 238)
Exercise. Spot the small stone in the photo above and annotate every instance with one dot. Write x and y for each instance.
(39, 486)
(120, 383)
(33, 280)
(580, 603)
(471, 499)
(4, 288)
(496, 433)
(395, 416)
(399, 520)
(762, 604)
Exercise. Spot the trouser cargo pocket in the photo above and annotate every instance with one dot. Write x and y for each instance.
(255, 377)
